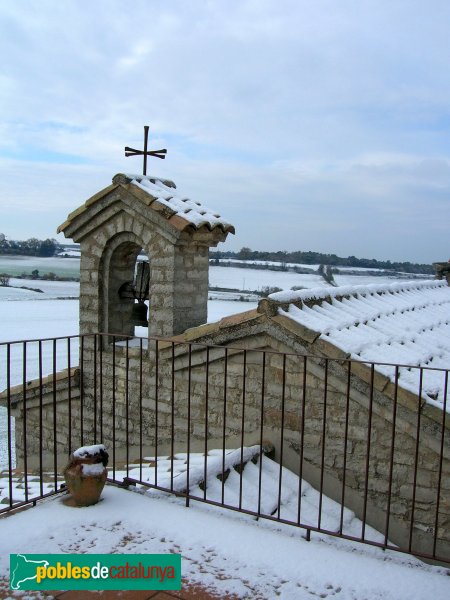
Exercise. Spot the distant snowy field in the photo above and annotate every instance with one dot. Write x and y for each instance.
(258, 279)
(49, 289)
(16, 265)
(235, 277)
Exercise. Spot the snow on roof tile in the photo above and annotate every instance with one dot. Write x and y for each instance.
(405, 323)
(165, 193)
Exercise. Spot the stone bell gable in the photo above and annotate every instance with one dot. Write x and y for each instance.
(143, 213)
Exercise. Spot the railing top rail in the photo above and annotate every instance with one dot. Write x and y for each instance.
(177, 342)
(47, 339)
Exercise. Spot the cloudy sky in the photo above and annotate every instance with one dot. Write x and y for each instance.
(309, 124)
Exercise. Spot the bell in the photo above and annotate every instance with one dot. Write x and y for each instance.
(139, 315)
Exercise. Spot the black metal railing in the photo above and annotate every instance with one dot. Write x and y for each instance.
(370, 438)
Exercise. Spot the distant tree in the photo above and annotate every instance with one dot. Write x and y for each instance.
(268, 289)
(4, 280)
(32, 245)
(327, 273)
(35, 274)
(328, 276)
(245, 253)
(48, 247)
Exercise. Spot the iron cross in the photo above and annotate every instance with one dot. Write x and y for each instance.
(133, 152)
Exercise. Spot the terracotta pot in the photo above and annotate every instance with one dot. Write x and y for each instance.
(85, 489)
(86, 474)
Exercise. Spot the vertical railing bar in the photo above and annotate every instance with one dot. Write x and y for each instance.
(101, 344)
(24, 392)
(141, 458)
(283, 399)
(127, 408)
(302, 435)
(189, 427)
(172, 441)
(391, 464)
(156, 408)
(224, 422)
(324, 431)
(441, 458)
(82, 391)
(69, 397)
(263, 383)
(241, 470)
(416, 459)
(114, 405)
(205, 473)
(95, 388)
(344, 465)
(55, 444)
(8, 414)
(369, 435)
(41, 421)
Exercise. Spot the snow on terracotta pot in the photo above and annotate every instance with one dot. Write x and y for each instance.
(86, 473)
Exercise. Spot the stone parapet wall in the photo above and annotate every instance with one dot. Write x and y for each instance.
(47, 419)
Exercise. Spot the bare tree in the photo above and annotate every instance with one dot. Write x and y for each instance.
(4, 280)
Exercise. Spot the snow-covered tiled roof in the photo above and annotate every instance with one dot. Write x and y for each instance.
(154, 194)
(165, 193)
(402, 323)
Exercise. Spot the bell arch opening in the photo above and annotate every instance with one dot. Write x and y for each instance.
(127, 277)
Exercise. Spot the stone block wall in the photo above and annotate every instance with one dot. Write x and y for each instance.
(47, 420)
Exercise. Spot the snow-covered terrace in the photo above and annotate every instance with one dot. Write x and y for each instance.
(230, 554)
(401, 323)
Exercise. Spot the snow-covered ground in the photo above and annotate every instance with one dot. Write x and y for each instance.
(36, 318)
(221, 550)
(49, 289)
(257, 279)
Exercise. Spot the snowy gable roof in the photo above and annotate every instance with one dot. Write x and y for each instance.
(165, 193)
(161, 196)
(401, 323)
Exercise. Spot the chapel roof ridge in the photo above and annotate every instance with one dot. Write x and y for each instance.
(318, 295)
(129, 177)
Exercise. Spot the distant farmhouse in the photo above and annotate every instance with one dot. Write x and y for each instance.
(301, 371)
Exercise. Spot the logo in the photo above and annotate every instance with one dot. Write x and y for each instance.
(95, 572)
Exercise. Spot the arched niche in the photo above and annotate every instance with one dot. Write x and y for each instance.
(118, 269)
